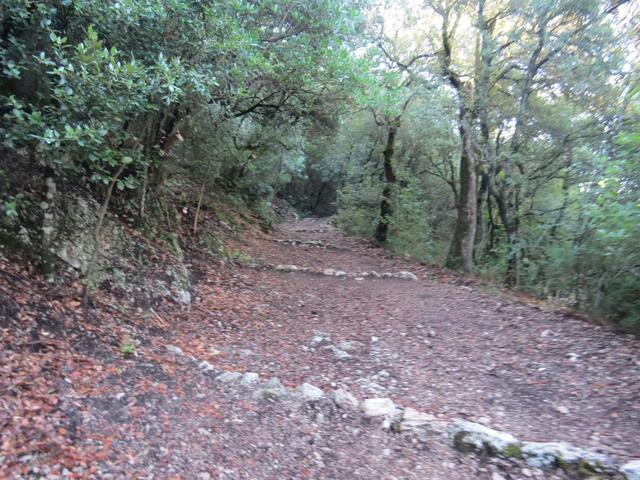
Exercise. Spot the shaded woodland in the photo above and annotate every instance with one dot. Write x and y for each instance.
(496, 138)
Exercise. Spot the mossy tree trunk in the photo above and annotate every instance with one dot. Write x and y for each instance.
(382, 230)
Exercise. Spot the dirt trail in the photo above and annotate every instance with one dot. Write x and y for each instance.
(438, 344)
(444, 348)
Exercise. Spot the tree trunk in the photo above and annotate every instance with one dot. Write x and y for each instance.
(386, 211)
(482, 193)
(461, 251)
(460, 255)
(48, 222)
(95, 254)
(197, 215)
(510, 228)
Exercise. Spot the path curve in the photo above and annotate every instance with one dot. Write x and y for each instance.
(452, 350)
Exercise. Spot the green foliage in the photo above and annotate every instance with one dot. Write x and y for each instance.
(92, 88)
(127, 346)
(255, 100)
(553, 124)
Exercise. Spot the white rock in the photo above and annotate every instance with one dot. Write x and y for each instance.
(473, 436)
(338, 353)
(344, 399)
(561, 409)
(413, 420)
(183, 296)
(273, 382)
(249, 378)
(497, 476)
(340, 273)
(631, 470)
(329, 271)
(378, 407)
(483, 420)
(272, 390)
(204, 476)
(406, 275)
(310, 392)
(206, 366)
(175, 350)
(320, 338)
(545, 455)
(229, 377)
(287, 268)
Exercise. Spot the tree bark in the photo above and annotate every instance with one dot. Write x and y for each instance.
(95, 254)
(48, 222)
(460, 255)
(197, 214)
(382, 230)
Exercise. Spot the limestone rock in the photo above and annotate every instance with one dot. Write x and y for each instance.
(329, 271)
(406, 275)
(227, 377)
(545, 455)
(320, 338)
(338, 353)
(561, 409)
(469, 436)
(413, 420)
(206, 366)
(631, 470)
(310, 392)
(344, 399)
(175, 350)
(180, 282)
(378, 407)
(249, 378)
(271, 390)
(287, 268)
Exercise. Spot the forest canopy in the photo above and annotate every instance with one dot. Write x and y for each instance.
(498, 138)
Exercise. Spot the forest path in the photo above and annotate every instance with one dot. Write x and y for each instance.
(438, 343)
(451, 350)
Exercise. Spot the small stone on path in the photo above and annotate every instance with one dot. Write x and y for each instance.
(310, 392)
(378, 407)
(631, 470)
(344, 399)
(228, 377)
(175, 350)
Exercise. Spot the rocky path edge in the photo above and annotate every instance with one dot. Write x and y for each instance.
(465, 436)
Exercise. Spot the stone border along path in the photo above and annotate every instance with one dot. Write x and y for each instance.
(464, 435)
(312, 243)
(330, 272)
